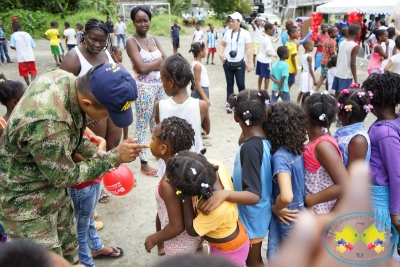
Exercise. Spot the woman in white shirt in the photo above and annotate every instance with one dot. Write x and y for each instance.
(236, 44)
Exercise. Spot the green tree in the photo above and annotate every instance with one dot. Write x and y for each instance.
(222, 7)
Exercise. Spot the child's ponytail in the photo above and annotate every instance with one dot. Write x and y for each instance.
(323, 117)
(355, 102)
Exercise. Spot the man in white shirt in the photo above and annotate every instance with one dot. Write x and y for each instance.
(198, 35)
(185, 18)
(120, 31)
(257, 32)
(23, 43)
(70, 36)
(200, 19)
(264, 56)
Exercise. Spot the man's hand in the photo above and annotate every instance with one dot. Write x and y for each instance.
(129, 150)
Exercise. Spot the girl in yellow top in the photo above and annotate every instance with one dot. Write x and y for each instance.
(10, 94)
(192, 175)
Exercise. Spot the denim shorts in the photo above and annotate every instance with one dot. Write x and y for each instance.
(285, 96)
(340, 84)
(196, 94)
(263, 70)
(291, 79)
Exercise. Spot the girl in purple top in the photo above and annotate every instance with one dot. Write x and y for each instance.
(384, 90)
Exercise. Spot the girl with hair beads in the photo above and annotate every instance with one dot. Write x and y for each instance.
(353, 140)
(286, 130)
(192, 175)
(384, 89)
(325, 173)
(10, 94)
(202, 83)
(171, 136)
(175, 76)
(252, 176)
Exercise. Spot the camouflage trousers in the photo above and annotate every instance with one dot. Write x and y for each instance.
(54, 231)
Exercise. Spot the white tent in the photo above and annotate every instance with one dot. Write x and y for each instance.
(364, 6)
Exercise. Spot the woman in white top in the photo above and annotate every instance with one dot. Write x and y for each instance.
(80, 60)
(202, 82)
(235, 46)
(146, 55)
(391, 50)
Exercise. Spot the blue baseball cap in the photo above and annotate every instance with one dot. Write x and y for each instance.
(115, 89)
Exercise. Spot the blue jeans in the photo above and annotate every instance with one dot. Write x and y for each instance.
(196, 94)
(119, 37)
(285, 96)
(231, 75)
(85, 201)
(278, 231)
(4, 51)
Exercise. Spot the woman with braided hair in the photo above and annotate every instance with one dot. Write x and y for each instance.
(325, 173)
(193, 176)
(384, 89)
(94, 50)
(353, 140)
(146, 55)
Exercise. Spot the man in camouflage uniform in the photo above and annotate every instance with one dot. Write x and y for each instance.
(37, 146)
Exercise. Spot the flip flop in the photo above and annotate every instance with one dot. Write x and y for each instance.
(104, 198)
(109, 255)
(206, 143)
(96, 215)
(153, 173)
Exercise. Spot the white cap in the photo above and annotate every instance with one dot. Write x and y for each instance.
(236, 15)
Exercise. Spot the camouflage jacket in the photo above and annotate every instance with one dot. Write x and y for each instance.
(36, 149)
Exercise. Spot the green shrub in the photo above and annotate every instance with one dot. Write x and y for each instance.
(36, 23)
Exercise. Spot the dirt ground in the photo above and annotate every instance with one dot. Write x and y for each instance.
(130, 219)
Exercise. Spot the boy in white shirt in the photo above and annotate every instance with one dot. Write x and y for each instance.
(23, 43)
(257, 32)
(198, 35)
(394, 62)
(70, 36)
(264, 56)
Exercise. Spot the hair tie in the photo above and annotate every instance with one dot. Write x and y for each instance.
(324, 129)
(345, 92)
(2, 80)
(371, 95)
(228, 107)
(354, 85)
(267, 102)
(247, 121)
(204, 185)
(340, 105)
(360, 94)
(368, 108)
(193, 171)
(348, 108)
(322, 117)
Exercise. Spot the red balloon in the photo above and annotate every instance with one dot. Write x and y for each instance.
(120, 181)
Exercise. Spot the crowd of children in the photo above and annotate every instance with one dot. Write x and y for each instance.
(287, 159)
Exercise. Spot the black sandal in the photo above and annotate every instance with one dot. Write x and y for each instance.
(104, 198)
(109, 255)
